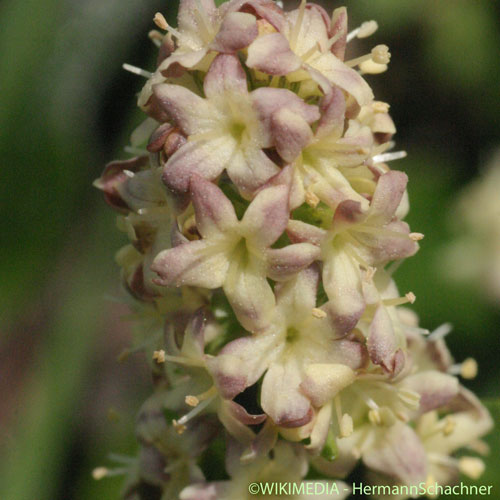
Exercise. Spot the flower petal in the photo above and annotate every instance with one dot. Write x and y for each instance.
(250, 168)
(248, 291)
(342, 282)
(435, 388)
(214, 212)
(272, 55)
(241, 363)
(207, 159)
(339, 29)
(225, 75)
(281, 398)
(323, 381)
(291, 134)
(387, 197)
(194, 263)
(191, 113)
(267, 216)
(382, 343)
(284, 262)
(398, 453)
(344, 77)
(332, 114)
(238, 30)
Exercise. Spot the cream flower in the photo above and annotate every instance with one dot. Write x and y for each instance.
(304, 365)
(229, 129)
(236, 255)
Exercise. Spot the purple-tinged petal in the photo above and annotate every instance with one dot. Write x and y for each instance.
(387, 197)
(206, 159)
(353, 353)
(264, 442)
(174, 64)
(250, 168)
(285, 262)
(267, 216)
(339, 29)
(272, 55)
(332, 119)
(348, 213)
(382, 343)
(281, 398)
(297, 297)
(269, 100)
(248, 291)
(225, 75)
(114, 177)
(344, 77)
(262, 9)
(300, 232)
(214, 212)
(398, 453)
(291, 134)
(158, 137)
(241, 363)
(188, 21)
(196, 263)
(243, 416)
(342, 282)
(392, 243)
(436, 389)
(190, 112)
(323, 381)
(238, 30)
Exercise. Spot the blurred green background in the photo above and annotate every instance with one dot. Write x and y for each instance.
(67, 107)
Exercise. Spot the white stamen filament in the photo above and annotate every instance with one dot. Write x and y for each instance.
(440, 332)
(298, 25)
(385, 157)
(137, 71)
(195, 411)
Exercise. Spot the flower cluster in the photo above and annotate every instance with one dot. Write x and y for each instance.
(263, 220)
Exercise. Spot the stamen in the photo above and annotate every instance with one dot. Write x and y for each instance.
(161, 22)
(480, 447)
(99, 473)
(374, 417)
(440, 332)
(180, 425)
(129, 174)
(312, 199)
(416, 236)
(137, 71)
(318, 313)
(298, 25)
(385, 157)
(467, 369)
(380, 54)
(449, 424)
(192, 401)
(365, 30)
(159, 356)
(156, 37)
(344, 420)
(408, 298)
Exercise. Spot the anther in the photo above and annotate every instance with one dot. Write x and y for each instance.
(318, 313)
(312, 199)
(416, 236)
(100, 473)
(159, 356)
